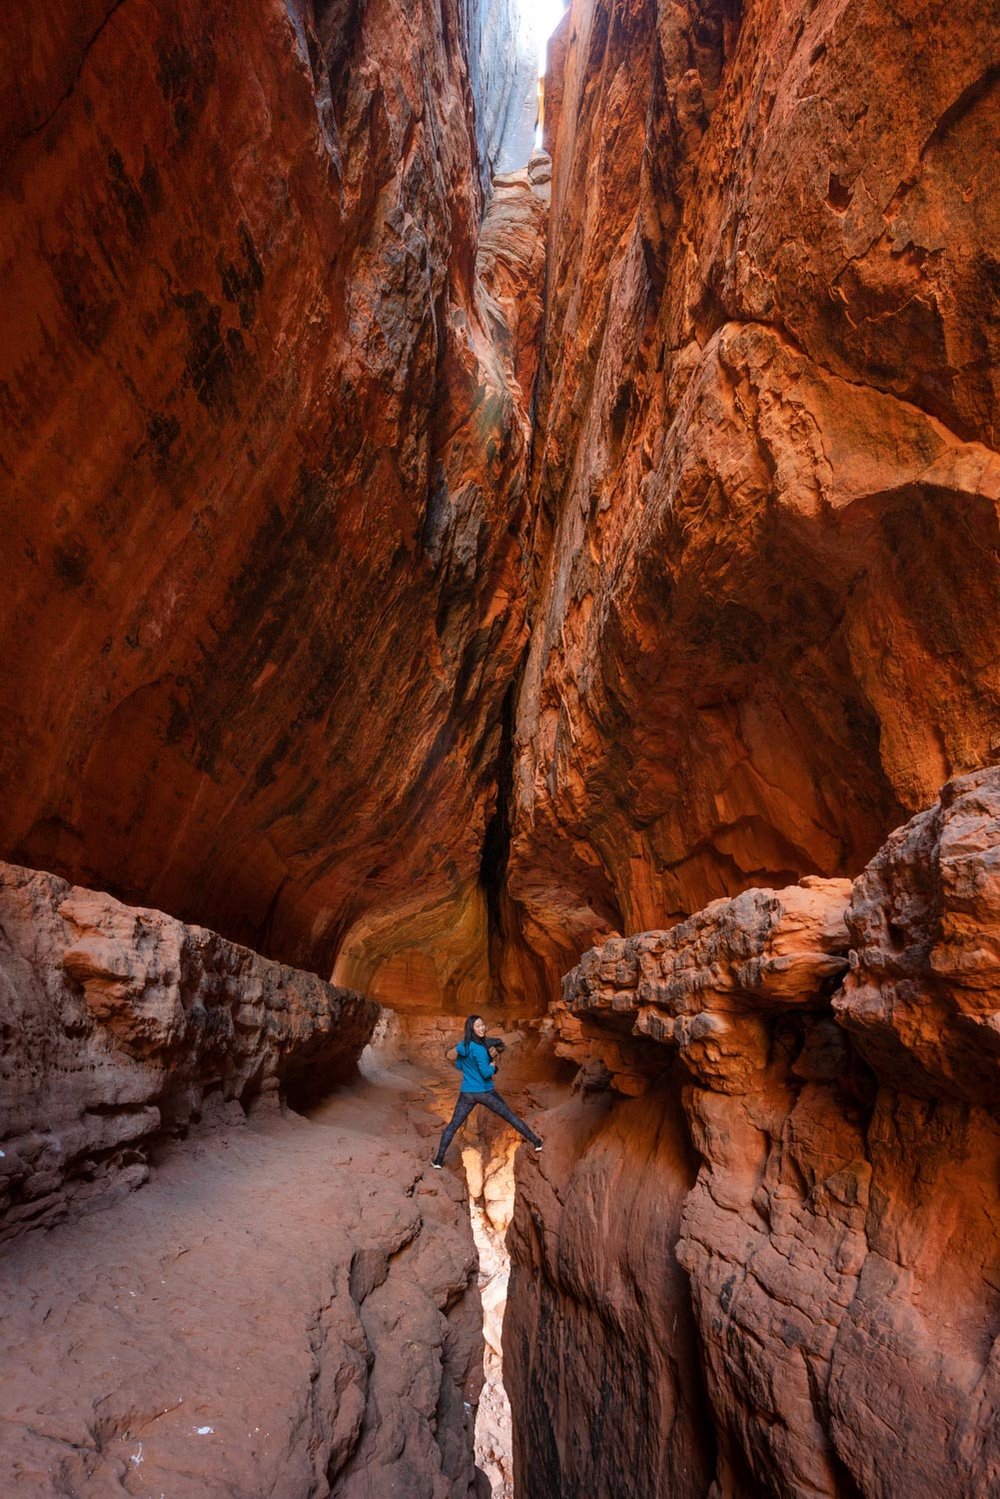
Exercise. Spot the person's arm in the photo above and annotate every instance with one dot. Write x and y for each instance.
(481, 1057)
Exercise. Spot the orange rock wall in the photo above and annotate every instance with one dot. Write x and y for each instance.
(764, 608)
(333, 624)
(262, 462)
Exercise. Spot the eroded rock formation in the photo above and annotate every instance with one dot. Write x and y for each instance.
(763, 1253)
(765, 487)
(263, 464)
(421, 574)
(121, 1025)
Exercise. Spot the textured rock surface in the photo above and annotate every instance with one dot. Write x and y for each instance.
(263, 470)
(764, 602)
(601, 1359)
(921, 1000)
(287, 1309)
(121, 1025)
(703, 984)
(830, 1209)
(330, 622)
(423, 952)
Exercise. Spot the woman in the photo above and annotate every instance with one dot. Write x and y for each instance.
(477, 1069)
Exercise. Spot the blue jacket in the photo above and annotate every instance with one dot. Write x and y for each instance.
(476, 1068)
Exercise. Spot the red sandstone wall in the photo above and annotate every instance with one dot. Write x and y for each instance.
(262, 462)
(765, 601)
(273, 558)
(790, 1098)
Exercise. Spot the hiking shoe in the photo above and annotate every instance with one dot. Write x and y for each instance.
(437, 1165)
(539, 1146)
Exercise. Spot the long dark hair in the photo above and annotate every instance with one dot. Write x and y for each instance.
(470, 1034)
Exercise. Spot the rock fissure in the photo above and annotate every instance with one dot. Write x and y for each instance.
(490, 1185)
(43, 124)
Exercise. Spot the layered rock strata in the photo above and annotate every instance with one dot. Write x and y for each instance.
(761, 1257)
(121, 1026)
(764, 603)
(263, 467)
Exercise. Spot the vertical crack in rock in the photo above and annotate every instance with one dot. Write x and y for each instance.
(496, 843)
(483, 1154)
(490, 1177)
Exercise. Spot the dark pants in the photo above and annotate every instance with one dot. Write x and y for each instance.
(490, 1100)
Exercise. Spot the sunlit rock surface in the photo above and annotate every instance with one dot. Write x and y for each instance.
(503, 65)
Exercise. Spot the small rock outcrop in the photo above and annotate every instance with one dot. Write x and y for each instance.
(921, 1000)
(121, 1025)
(766, 1236)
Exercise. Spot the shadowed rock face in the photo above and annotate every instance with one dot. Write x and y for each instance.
(764, 608)
(814, 1154)
(263, 461)
(415, 951)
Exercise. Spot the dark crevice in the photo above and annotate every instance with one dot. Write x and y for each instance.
(497, 838)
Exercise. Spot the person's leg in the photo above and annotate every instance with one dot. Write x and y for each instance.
(464, 1106)
(502, 1107)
